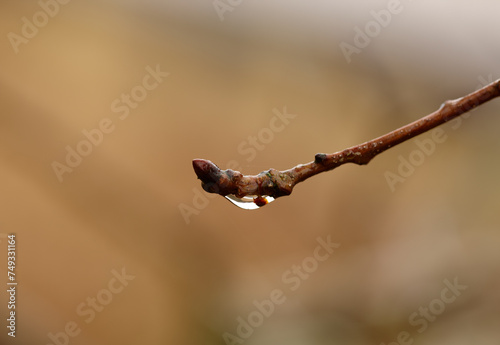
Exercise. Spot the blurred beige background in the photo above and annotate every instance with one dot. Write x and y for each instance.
(192, 274)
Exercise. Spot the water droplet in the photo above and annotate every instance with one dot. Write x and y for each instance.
(250, 202)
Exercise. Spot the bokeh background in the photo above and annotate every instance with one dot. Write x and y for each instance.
(198, 263)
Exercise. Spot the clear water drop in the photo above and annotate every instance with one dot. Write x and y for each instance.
(250, 202)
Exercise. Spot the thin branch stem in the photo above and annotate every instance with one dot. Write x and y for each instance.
(279, 183)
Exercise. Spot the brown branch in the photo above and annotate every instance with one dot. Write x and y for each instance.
(279, 183)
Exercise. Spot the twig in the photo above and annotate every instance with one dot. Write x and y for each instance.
(279, 183)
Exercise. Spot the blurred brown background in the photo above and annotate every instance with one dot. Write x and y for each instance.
(195, 264)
